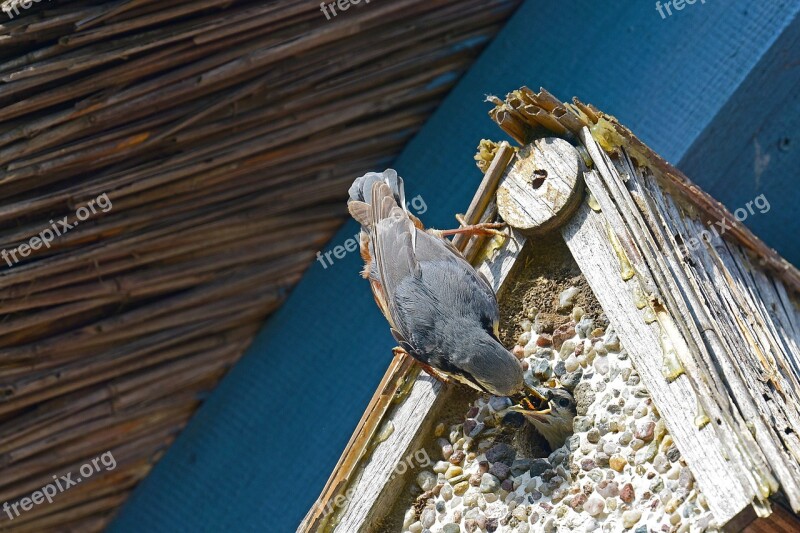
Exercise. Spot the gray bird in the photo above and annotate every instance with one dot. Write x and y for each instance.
(553, 419)
(441, 310)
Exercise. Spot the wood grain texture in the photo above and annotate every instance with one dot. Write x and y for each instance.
(731, 339)
(587, 237)
(225, 135)
(543, 186)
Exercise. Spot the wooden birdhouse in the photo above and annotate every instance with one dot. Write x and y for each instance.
(674, 328)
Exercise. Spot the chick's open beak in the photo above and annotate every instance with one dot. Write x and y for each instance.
(531, 403)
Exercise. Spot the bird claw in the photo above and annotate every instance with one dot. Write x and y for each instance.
(484, 229)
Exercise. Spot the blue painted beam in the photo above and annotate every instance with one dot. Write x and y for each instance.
(258, 452)
(750, 152)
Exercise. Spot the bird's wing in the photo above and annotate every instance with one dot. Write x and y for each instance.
(392, 236)
(484, 304)
(486, 287)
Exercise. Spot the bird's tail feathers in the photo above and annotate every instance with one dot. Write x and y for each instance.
(361, 189)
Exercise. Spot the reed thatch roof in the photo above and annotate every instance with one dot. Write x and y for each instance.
(223, 135)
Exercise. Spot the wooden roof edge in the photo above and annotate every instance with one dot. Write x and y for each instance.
(524, 114)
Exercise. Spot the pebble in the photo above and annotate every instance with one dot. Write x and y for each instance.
(457, 457)
(686, 480)
(562, 334)
(627, 493)
(661, 464)
(630, 518)
(441, 467)
(428, 518)
(571, 363)
(469, 426)
(584, 397)
(646, 455)
(601, 365)
(416, 527)
(520, 466)
(577, 501)
(489, 483)
(539, 466)
(612, 342)
(581, 424)
(460, 488)
(594, 505)
(541, 369)
(567, 349)
(573, 442)
(673, 454)
(446, 492)
(499, 403)
(559, 456)
(426, 480)
(588, 464)
(607, 489)
(451, 528)
(501, 452)
(453, 471)
(617, 462)
(447, 451)
(570, 380)
(544, 340)
(500, 470)
(593, 436)
(584, 327)
(645, 431)
(566, 300)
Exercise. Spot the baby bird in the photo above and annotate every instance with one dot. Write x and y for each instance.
(441, 310)
(554, 421)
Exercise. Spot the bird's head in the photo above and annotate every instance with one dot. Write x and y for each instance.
(485, 364)
(551, 414)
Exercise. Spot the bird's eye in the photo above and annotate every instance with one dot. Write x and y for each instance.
(563, 402)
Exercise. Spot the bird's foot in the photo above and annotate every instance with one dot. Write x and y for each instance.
(484, 229)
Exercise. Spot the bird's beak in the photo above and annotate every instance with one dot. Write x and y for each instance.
(531, 403)
(540, 414)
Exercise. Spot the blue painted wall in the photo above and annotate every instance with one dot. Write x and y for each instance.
(259, 451)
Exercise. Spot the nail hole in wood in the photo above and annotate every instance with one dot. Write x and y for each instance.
(538, 178)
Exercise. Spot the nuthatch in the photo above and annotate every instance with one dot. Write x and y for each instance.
(441, 310)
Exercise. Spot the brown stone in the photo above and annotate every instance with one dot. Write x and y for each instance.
(627, 494)
(562, 333)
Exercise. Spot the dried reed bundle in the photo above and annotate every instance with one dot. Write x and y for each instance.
(224, 135)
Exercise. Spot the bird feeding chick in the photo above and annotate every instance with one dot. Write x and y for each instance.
(442, 312)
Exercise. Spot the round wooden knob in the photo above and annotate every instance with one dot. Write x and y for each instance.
(542, 187)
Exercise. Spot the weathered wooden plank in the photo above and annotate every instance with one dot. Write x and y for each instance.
(706, 282)
(587, 237)
(738, 404)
